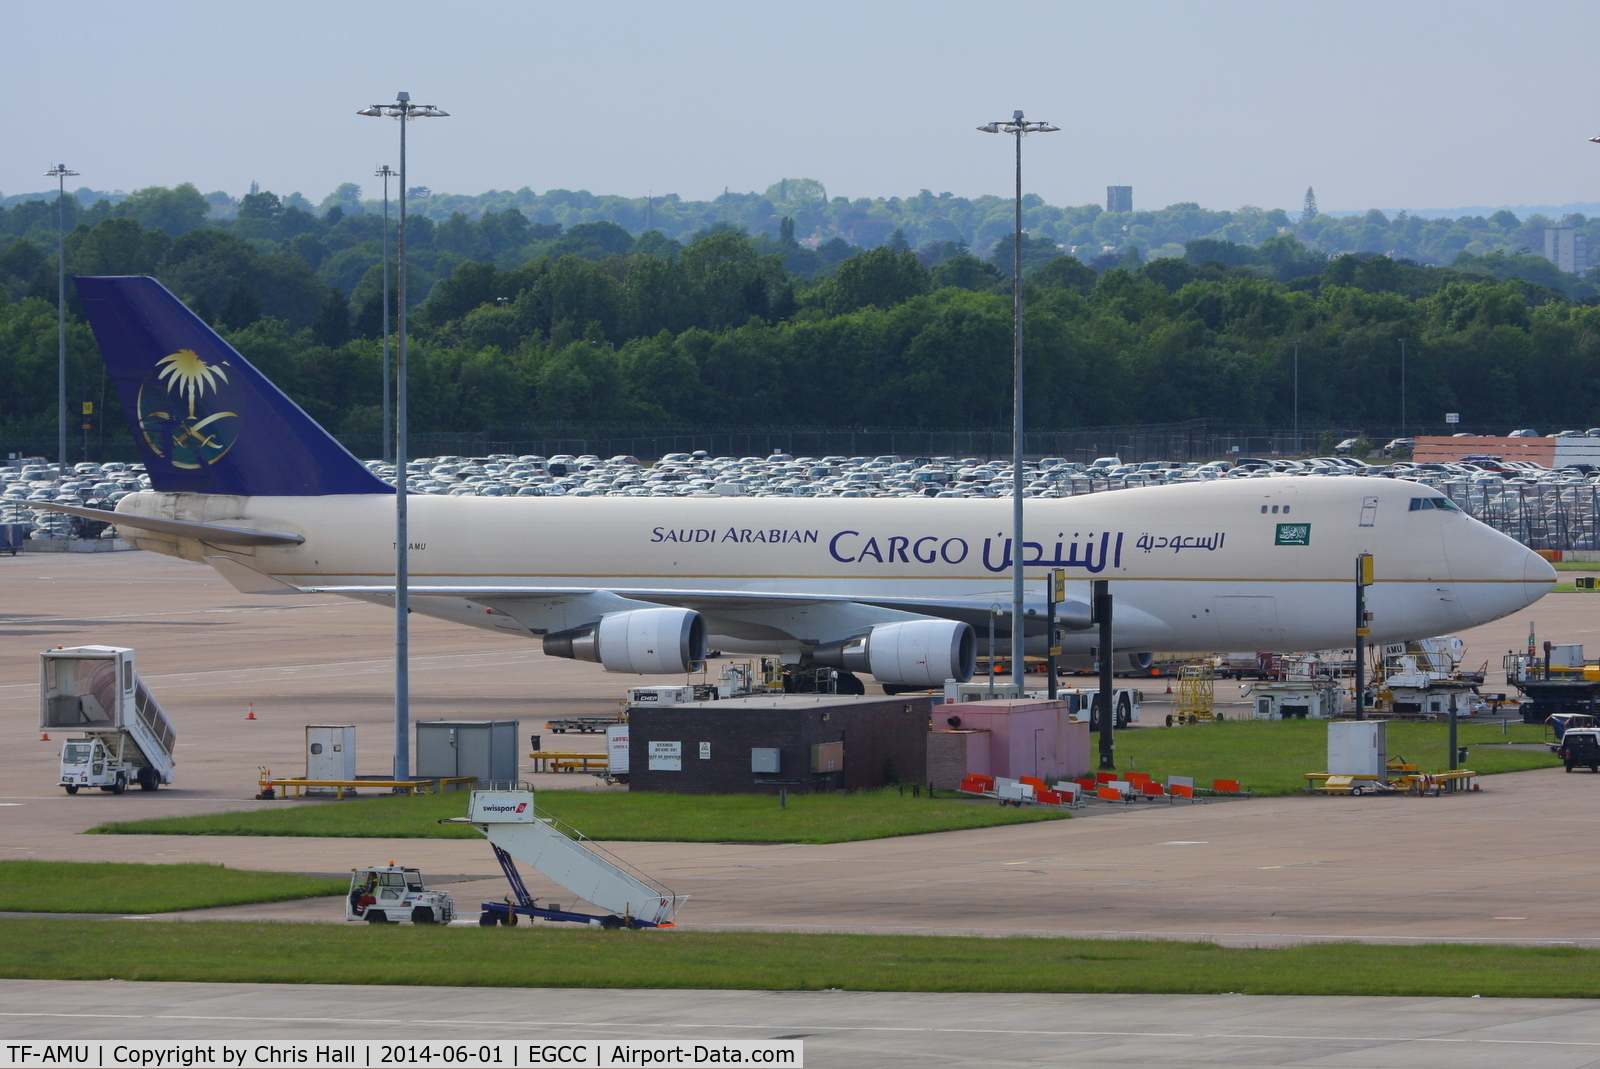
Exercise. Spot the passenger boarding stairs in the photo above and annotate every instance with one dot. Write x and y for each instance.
(518, 831)
(96, 690)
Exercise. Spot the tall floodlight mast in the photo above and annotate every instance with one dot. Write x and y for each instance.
(403, 110)
(386, 173)
(1018, 127)
(60, 173)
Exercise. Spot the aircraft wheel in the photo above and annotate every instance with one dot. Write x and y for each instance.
(422, 915)
(72, 788)
(487, 920)
(377, 916)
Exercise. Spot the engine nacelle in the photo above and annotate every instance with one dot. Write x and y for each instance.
(917, 653)
(644, 642)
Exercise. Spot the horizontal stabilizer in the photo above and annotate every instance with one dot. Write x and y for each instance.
(248, 580)
(203, 532)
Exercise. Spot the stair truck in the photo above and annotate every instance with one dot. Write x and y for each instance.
(518, 831)
(125, 737)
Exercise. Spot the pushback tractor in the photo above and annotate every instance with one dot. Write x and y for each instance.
(125, 736)
(389, 894)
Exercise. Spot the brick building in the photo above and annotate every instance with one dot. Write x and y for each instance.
(800, 742)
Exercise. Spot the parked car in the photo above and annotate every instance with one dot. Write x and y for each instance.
(1399, 445)
(1525, 432)
(1344, 447)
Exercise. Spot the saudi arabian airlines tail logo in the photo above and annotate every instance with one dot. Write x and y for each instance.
(170, 416)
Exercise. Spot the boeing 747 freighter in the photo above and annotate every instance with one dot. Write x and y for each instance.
(248, 483)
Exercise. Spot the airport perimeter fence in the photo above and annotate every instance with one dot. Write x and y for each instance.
(1547, 517)
(1540, 517)
(1197, 439)
(1190, 440)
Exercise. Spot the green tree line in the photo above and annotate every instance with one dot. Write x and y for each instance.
(596, 323)
(1086, 232)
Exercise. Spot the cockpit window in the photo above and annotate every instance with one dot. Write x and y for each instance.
(1445, 503)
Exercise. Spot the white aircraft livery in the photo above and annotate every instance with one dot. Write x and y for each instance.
(248, 483)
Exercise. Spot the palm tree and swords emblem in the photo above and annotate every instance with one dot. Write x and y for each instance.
(193, 440)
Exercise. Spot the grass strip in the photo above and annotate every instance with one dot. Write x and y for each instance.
(614, 815)
(1272, 757)
(544, 957)
(94, 887)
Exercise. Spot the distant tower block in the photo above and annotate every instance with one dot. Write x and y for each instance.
(1119, 198)
(1564, 246)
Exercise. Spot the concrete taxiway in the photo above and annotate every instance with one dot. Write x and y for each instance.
(864, 1029)
(1507, 865)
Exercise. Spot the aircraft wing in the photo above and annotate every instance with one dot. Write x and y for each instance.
(204, 532)
(1073, 615)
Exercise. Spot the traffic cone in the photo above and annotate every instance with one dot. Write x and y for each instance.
(44, 736)
(251, 715)
(1169, 686)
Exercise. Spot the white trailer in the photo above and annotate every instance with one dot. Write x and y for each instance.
(519, 832)
(126, 737)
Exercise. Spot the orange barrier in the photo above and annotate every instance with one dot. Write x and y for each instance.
(1226, 786)
(1180, 790)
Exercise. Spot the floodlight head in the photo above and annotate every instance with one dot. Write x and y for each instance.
(372, 112)
(402, 97)
(991, 128)
(1596, 140)
(1016, 114)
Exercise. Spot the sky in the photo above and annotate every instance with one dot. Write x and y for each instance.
(1403, 104)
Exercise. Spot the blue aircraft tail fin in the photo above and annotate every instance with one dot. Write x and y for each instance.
(205, 420)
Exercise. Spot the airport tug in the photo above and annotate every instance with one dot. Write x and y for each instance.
(389, 894)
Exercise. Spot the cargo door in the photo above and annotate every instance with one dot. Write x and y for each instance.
(1247, 621)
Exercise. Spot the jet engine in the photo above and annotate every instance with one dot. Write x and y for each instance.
(917, 653)
(660, 641)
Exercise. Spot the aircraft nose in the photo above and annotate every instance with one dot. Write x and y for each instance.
(1538, 576)
(1494, 575)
